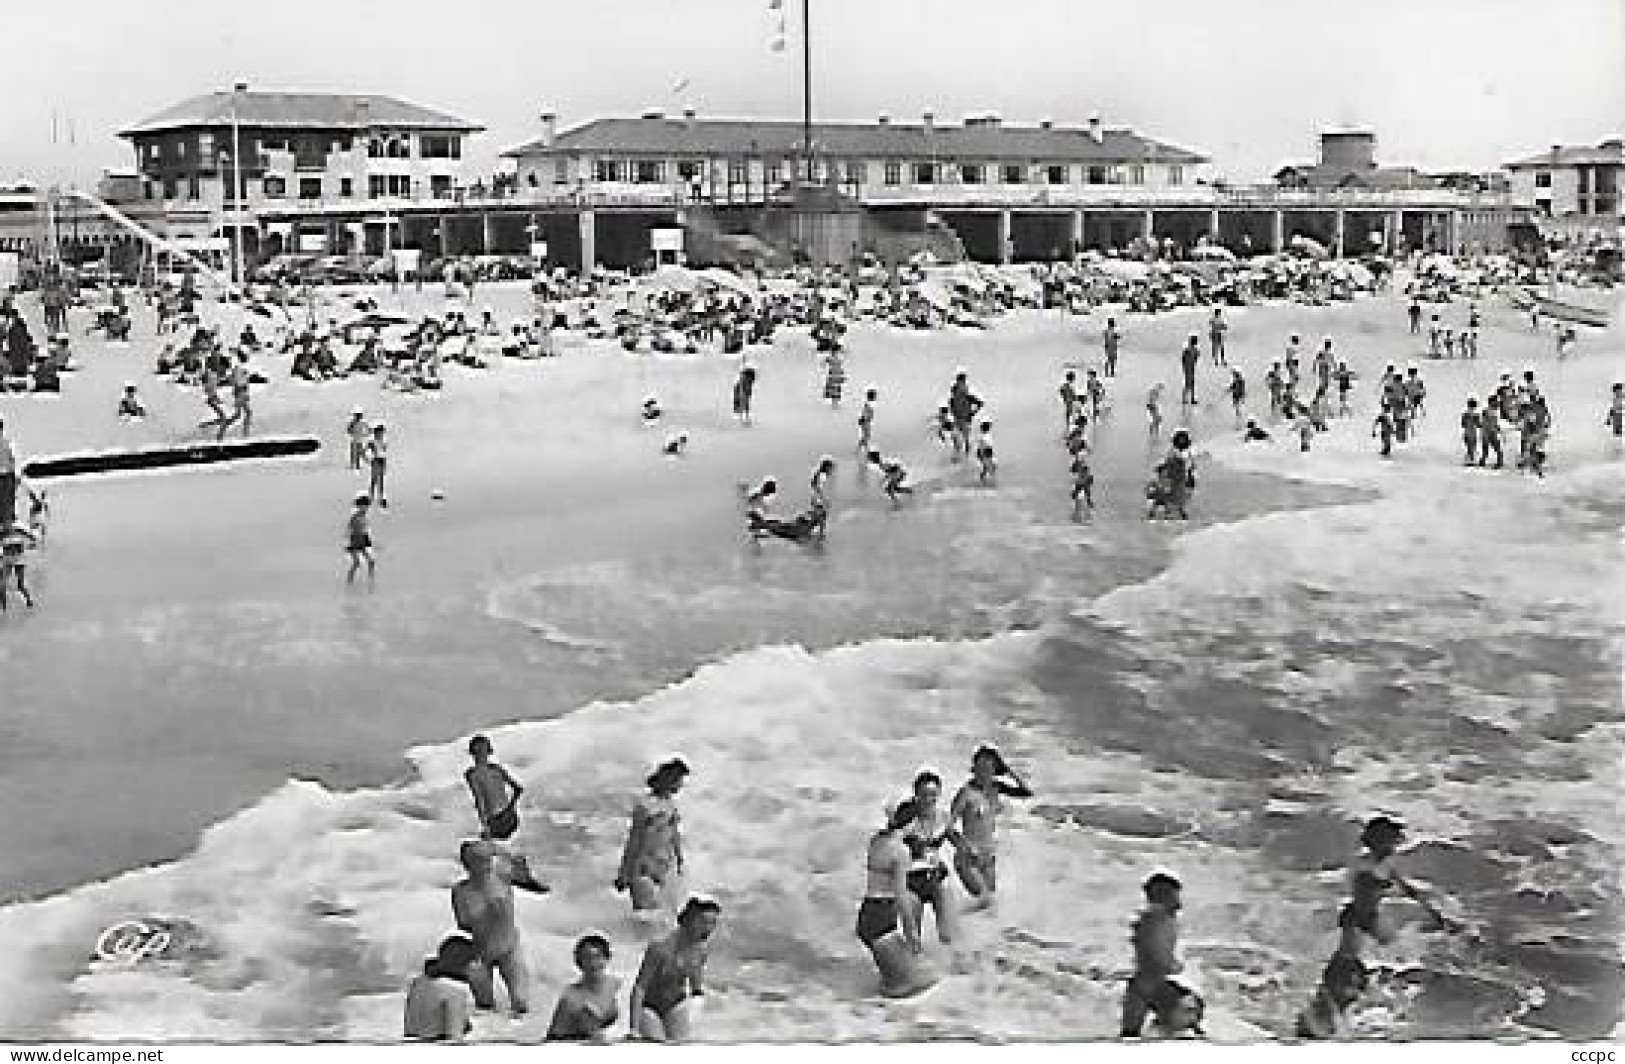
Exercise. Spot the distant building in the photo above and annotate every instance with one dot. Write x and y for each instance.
(297, 148)
(1574, 190)
(1349, 160)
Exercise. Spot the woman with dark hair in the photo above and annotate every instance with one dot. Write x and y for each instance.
(889, 927)
(673, 973)
(587, 1007)
(928, 882)
(438, 1002)
(1371, 876)
(975, 809)
(654, 845)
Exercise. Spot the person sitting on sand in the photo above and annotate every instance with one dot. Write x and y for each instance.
(483, 905)
(588, 1007)
(975, 810)
(672, 974)
(1341, 984)
(1156, 937)
(438, 1002)
(653, 855)
(496, 793)
(887, 926)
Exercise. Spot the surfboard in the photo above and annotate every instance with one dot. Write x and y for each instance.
(126, 460)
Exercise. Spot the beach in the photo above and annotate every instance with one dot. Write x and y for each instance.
(230, 735)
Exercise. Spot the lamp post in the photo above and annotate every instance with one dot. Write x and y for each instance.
(237, 183)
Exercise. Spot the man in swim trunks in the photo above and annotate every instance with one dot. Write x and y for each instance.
(1155, 938)
(673, 973)
(975, 809)
(438, 1002)
(888, 928)
(483, 905)
(587, 1008)
(496, 793)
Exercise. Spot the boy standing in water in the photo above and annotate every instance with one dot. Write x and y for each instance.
(1155, 938)
(496, 793)
(358, 541)
(356, 432)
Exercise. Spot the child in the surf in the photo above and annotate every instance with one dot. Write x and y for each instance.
(1153, 409)
(1341, 984)
(866, 420)
(1238, 394)
(975, 810)
(1472, 426)
(356, 431)
(943, 426)
(1083, 484)
(985, 456)
(496, 793)
(653, 857)
(358, 539)
(587, 1008)
(893, 477)
(129, 407)
(1094, 390)
(1384, 428)
(1069, 399)
(1155, 937)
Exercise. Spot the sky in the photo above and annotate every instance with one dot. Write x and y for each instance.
(1445, 84)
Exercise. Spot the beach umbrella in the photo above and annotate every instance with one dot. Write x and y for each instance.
(1309, 246)
(1214, 253)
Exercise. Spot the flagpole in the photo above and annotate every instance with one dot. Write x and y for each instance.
(806, 87)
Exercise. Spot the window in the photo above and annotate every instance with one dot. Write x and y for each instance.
(1585, 180)
(399, 185)
(346, 187)
(1176, 175)
(1136, 175)
(180, 148)
(431, 146)
(649, 172)
(1097, 175)
(773, 172)
(607, 170)
(170, 188)
(857, 173)
(205, 146)
(530, 179)
(925, 173)
(688, 170)
(146, 190)
(561, 172)
(191, 187)
(1543, 179)
(310, 188)
(738, 172)
(375, 186)
(276, 188)
(973, 174)
(440, 186)
(1056, 174)
(1013, 174)
(375, 148)
(894, 173)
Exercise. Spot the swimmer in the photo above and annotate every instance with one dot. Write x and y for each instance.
(1156, 938)
(1341, 984)
(483, 905)
(496, 793)
(654, 844)
(889, 927)
(672, 974)
(927, 881)
(1371, 876)
(587, 1008)
(438, 1002)
(976, 809)
(358, 541)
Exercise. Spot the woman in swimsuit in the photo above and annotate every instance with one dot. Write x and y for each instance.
(975, 809)
(654, 846)
(927, 880)
(587, 1008)
(1371, 876)
(891, 931)
(673, 973)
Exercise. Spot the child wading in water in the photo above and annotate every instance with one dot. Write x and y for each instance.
(496, 793)
(358, 544)
(984, 453)
(866, 420)
(893, 478)
(1083, 484)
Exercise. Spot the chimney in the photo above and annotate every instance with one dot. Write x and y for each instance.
(884, 120)
(1046, 123)
(929, 120)
(1096, 134)
(241, 86)
(550, 128)
(689, 117)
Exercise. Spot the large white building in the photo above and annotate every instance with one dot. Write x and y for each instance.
(1575, 190)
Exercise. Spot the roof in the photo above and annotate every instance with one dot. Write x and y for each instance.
(300, 110)
(1609, 151)
(1316, 175)
(680, 136)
